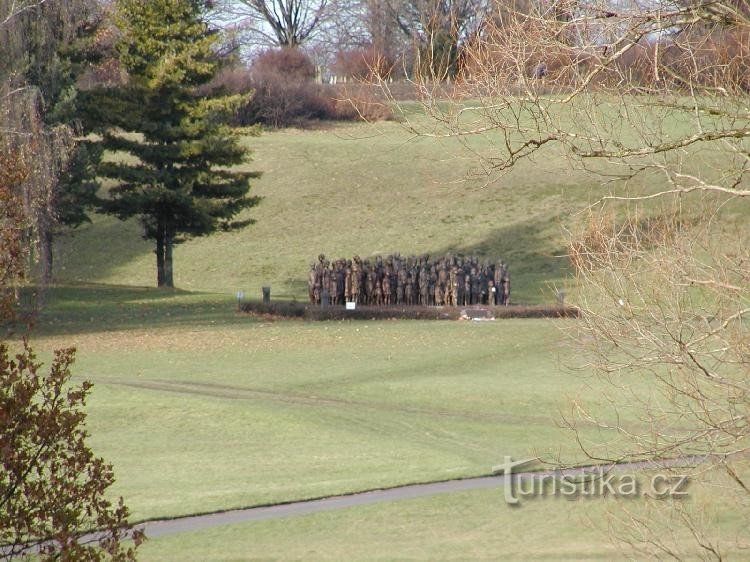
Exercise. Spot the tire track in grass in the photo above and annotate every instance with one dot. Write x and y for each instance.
(243, 393)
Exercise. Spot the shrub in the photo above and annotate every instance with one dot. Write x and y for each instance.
(53, 489)
(293, 65)
(363, 64)
(351, 103)
(285, 94)
(279, 103)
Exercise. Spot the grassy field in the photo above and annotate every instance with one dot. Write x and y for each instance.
(200, 408)
(474, 525)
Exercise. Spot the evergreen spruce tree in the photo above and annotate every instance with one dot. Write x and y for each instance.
(179, 177)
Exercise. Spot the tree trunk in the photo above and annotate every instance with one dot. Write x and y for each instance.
(168, 279)
(45, 256)
(160, 254)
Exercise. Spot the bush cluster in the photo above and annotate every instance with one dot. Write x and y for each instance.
(365, 63)
(285, 93)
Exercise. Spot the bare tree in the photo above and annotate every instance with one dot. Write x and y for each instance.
(438, 28)
(367, 23)
(279, 23)
(35, 98)
(651, 100)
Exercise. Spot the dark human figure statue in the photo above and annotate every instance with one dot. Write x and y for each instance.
(340, 284)
(355, 280)
(431, 282)
(409, 291)
(349, 281)
(311, 283)
(377, 296)
(370, 287)
(386, 284)
(326, 276)
(358, 278)
(422, 277)
(459, 289)
(424, 288)
(506, 287)
(401, 276)
(476, 290)
(393, 282)
(482, 280)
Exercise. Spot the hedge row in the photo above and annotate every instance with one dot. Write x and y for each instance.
(478, 312)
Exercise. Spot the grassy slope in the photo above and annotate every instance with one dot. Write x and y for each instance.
(361, 189)
(352, 190)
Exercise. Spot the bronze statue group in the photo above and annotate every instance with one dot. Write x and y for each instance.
(446, 281)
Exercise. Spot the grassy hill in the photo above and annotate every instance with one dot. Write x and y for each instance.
(201, 408)
(354, 189)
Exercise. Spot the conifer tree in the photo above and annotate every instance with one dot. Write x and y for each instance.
(178, 177)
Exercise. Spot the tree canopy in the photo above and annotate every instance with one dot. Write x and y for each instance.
(180, 179)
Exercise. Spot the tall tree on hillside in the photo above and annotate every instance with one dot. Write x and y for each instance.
(179, 181)
(74, 192)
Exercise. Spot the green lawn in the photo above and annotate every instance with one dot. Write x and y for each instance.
(475, 525)
(200, 408)
(203, 409)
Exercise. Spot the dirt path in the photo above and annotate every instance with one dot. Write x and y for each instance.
(199, 522)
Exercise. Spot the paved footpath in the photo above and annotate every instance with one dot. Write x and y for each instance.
(198, 522)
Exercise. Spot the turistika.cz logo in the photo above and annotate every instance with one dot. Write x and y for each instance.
(589, 482)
